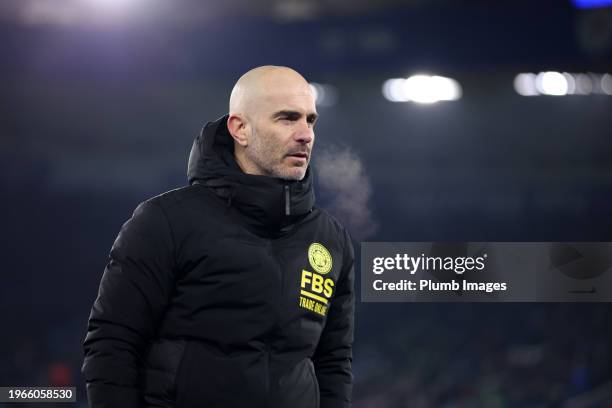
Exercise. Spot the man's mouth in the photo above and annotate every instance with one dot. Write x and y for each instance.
(299, 155)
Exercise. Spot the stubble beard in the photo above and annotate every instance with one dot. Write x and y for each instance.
(270, 160)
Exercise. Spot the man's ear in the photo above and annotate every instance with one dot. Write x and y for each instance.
(238, 128)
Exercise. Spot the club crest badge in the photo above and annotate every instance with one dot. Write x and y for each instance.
(319, 258)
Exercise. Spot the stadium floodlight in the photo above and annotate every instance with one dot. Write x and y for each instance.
(431, 89)
(420, 89)
(584, 85)
(559, 84)
(571, 83)
(524, 84)
(551, 83)
(392, 90)
(424, 89)
(446, 89)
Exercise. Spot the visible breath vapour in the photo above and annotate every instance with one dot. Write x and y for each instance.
(346, 190)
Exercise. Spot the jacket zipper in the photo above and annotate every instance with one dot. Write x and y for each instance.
(287, 201)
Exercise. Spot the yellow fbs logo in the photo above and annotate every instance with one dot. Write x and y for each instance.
(320, 258)
(316, 290)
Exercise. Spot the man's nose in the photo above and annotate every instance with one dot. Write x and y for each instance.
(304, 134)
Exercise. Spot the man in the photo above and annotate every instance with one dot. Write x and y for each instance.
(234, 291)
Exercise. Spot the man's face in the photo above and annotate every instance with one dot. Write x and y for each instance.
(282, 133)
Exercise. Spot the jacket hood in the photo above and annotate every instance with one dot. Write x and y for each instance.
(267, 203)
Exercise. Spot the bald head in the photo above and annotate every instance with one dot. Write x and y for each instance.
(271, 118)
(262, 85)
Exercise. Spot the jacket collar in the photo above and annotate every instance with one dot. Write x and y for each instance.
(267, 203)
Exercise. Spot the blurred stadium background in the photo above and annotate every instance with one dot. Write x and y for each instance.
(101, 100)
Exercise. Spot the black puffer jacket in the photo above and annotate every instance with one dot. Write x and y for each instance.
(232, 292)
